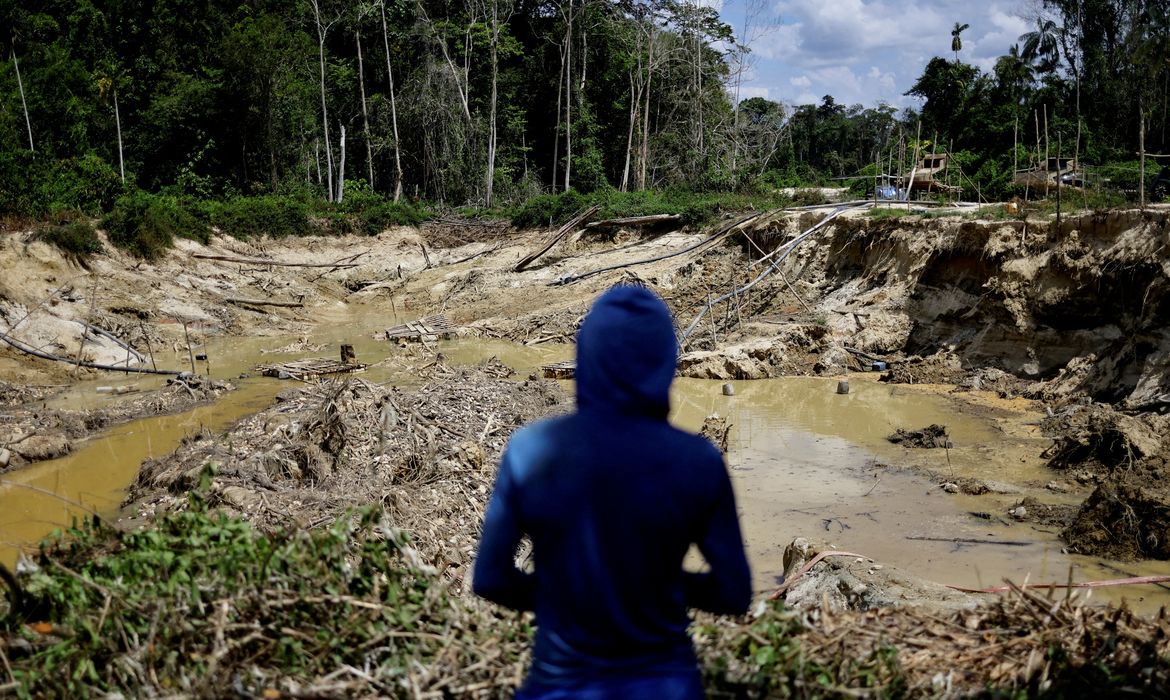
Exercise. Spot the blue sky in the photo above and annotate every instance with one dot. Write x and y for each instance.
(867, 51)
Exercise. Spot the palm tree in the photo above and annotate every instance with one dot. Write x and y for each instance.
(1014, 74)
(1042, 47)
(956, 40)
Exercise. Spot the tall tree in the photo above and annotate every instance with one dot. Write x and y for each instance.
(957, 39)
(393, 107)
(322, 31)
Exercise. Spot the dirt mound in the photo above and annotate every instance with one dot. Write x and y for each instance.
(930, 437)
(1100, 439)
(1128, 514)
(1127, 517)
(942, 368)
(427, 455)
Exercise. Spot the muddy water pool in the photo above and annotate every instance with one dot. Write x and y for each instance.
(805, 461)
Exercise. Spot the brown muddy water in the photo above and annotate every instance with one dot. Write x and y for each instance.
(805, 461)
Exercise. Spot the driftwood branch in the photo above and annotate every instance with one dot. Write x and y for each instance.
(969, 540)
(563, 231)
(649, 220)
(262, 302)
(339, 264)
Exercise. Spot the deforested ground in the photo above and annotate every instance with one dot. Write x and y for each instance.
(320, 546)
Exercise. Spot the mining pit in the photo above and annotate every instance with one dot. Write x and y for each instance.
(1004, 419)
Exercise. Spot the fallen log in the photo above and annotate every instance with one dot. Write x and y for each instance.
(114, 339)
(563, 231)
(262, 302)
(648, 220)
(28, 350)
(725, 230)
(970, 540)
(262, 261)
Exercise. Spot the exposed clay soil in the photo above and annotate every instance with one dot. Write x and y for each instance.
(1064, 315)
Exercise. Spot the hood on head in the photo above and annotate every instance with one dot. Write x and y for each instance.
(627, 354)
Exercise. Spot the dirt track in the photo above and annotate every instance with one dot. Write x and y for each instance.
(1072, 317)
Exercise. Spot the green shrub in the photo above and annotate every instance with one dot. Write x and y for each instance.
(378, 218)
(886, 213)
(146, 225)
(549, 209)
(88, 183)
(161, 595)
(252, 217)
(77, 239)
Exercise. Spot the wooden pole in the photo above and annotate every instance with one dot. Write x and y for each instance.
(190, 354)
(148, 348)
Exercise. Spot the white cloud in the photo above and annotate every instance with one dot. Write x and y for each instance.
(866, 51)
(746, 92)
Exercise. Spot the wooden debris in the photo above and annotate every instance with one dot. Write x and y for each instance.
(305, 369)
(649, 220)
(559, 370)
(263, 302)
(423, 330)
(342, 263)
(563, 231)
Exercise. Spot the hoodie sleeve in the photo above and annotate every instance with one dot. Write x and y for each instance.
(496, 576)
(726, 589)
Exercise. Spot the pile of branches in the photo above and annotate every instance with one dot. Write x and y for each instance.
(427, 456)
(452, 231)
(1022, 645)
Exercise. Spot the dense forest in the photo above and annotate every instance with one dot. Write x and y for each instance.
(488, 103)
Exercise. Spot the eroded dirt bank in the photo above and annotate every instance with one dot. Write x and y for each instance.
(1067, 314)
(984, 309)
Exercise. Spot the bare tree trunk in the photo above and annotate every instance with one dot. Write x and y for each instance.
(341, 169)
(317, 157)
(646, 111)
(322, 29)
(569, 96)
(23, 103)
(365, 115)
(491, 164)
(634, 99)
(1142, 148)
(557, 129)
(393, 110)
(118, 124)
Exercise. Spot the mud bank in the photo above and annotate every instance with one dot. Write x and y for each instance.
(1058, 313)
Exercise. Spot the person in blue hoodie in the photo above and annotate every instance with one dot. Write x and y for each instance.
(613, 497)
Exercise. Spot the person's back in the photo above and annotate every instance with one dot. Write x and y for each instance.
(612, 497)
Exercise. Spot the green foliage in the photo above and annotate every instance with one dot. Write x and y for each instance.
(767, 659)
(693, 208)
(77, 239)
(146, 225)
(380, 217)
(880, 213)
(196, 594)
(254, 217)
(88, 184)
(40, 186)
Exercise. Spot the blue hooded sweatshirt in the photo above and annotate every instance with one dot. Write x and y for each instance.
(612, 497)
